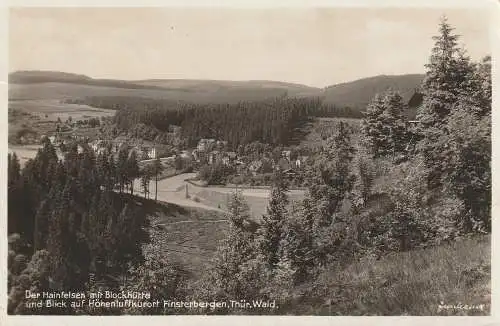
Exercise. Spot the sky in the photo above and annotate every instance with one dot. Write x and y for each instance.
(313, 46)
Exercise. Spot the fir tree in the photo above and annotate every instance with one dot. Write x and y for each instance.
(384, 127)
(331, 179)
(394, 124)
(443, 78)
(132, 170)
(157, 168)
(14, 194)
(372, 124)
(230, 277)
(122, 168)
(451, 82)
(42, 220)
(271, 229)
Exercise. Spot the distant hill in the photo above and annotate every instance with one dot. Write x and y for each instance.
(34, 76)
(37, 77)
(357, 94)
(51, 85)
(217, 85)
(59, 85)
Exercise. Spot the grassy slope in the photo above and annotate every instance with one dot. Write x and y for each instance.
(409, 283)
(185, 236)
(318, 130)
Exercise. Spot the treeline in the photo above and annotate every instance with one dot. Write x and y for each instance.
(333, 111)
(274, 121)
(69, 228)
(124, 102)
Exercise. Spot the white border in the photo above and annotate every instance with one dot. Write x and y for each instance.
(248, 320)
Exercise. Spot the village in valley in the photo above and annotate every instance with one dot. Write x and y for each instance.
(250, 165)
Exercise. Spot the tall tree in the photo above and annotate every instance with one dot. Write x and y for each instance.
(371, 126)
(122, 167)
(449, 79)
(146, 174)
(132, 170)
(271, 229)
(396, 126)
(384, 128)
(157, 168)
(14, 194)
(442, 83)
(236, 273)
(331, 179)
(452, 82)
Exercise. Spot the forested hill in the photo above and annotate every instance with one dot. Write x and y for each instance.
(60, 85)
(37, 77)
(357, 94)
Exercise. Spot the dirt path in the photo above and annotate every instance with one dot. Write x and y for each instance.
(173, 190)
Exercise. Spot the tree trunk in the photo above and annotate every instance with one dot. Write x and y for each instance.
(156, 187)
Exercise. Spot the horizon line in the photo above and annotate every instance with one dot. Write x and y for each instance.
(208, 79)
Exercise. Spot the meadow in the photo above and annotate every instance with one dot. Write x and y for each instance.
(51, 109)
(432, 281)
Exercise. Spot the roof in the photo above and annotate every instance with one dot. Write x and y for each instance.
(415, 100)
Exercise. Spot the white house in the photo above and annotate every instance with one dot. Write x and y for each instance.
(185, 154)
(300, 161)
(286, 154)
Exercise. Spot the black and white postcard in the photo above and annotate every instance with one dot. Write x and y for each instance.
(249, 161)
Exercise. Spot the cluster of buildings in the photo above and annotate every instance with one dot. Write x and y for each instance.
(210, 151)
(143, 152)
(60, 141)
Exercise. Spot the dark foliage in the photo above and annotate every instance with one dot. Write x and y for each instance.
(67, 213)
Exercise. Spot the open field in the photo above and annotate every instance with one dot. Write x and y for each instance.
(24, 152)
(51, 109)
